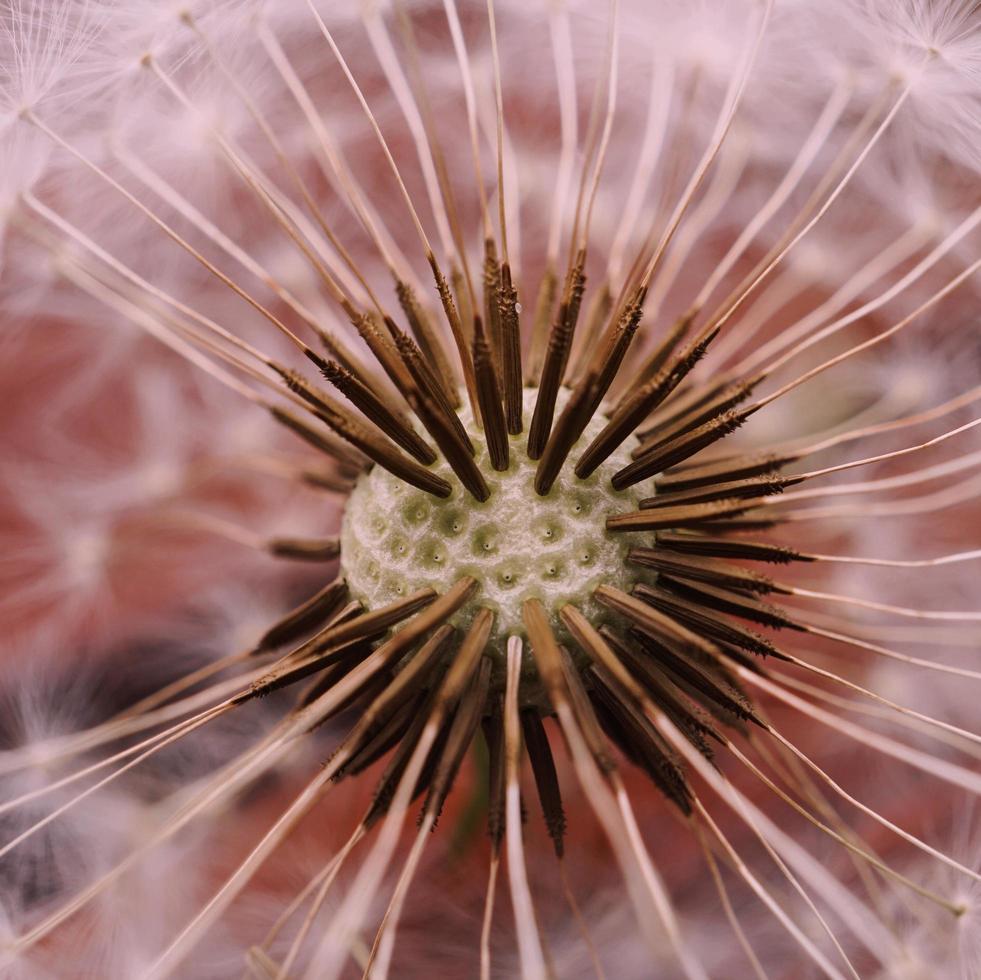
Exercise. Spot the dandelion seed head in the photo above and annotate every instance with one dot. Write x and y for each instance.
(634, 475)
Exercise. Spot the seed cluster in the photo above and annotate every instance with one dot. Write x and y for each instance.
(396, 539)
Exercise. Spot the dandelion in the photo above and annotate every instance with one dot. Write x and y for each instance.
(605, 379)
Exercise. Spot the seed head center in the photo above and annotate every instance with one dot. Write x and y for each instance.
(518, 545)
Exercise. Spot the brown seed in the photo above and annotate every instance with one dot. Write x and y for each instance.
(428, 339)
(556, 356)
(511, 352)
(664, 455)
(305, 549)
(386, 456)
(316, 610)
(489, 399)
(385, 416)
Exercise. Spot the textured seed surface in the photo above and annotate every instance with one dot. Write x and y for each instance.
(396, 539)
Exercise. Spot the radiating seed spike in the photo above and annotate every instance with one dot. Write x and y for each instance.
(307, 616)
(328, 677)
(712, 547)
(556, 356)
(387, 457)
(327, 442)
(621, 424)
(736, 522)
(597, 313)
(683, 711)
(444, 425)
(636, 405)
(461, 291)
(369, 623)
(546, 655)
(699, 414)
(456, 327)
(390, 732)
(339, 353)
(323, 649)
(428, 340)
(305, 549)
(588, 394)
(681, 717)
(656, 623)
(708, 570)
(544, 304)
(319, 400)
(658, 357)
(611, 661)
(724, 600)
(371, 332)
(692, 515)
(405, 690)
(337, 350)
(561, 680)
(372, 444)
(323, 480)
(511, 351)
(413, 673)
(489, 399)
(641, 742)
(492, 302)
(447, 695)
(724, 471)
(471, 650)
(623, 336)
(577, 286)
(709, 676)
(767, 486)
(461, 460)
(705, 622)
(695, 396)
(709, 689)
(573, 419)
(428, 772)
(393, 424)
(546, 778)
(589, 725)
(426, 385)
(662, 456)
(493, 726)
(318, 361)
(397, 764)
(460, 737)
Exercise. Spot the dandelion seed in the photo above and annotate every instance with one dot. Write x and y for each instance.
(576, 311)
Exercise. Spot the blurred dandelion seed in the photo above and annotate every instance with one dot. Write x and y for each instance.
(525, 283)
